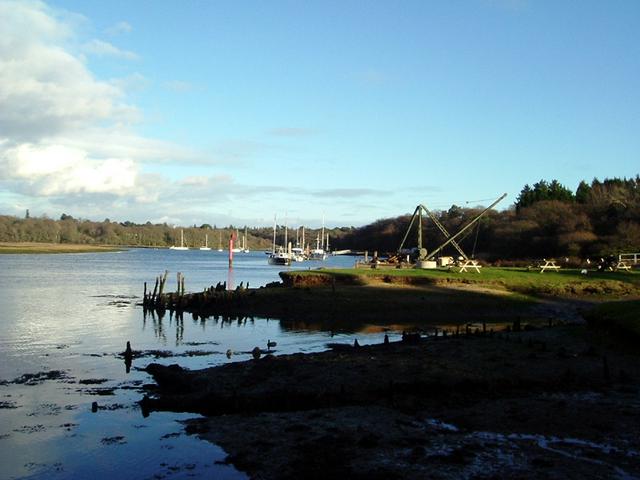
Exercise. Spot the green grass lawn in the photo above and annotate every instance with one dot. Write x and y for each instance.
(566, 282)
(621, 317)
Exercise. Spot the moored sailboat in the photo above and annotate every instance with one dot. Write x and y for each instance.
(181, 247)
(220, 243)
(206, 243)
(279, 256)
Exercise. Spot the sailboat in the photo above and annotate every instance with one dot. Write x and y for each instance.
(279, 256)
(181, 247)
(237, 249)
(206, 243)
(245, 241)
(319, 253)
(297, 252)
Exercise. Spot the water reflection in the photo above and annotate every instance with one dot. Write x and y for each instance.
(128, 358)
(231, 279)
(74, 314)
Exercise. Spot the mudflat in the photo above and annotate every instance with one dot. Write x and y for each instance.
(554, 402)
(496, 376)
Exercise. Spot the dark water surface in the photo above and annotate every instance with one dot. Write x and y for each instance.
(65, 318)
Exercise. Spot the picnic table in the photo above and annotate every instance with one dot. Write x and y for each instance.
(623, 266)
(549, 265)
(470, 264)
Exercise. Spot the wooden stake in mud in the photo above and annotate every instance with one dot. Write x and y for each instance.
(155, 290)
(163, 280)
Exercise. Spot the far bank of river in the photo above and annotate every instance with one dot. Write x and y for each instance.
(34, 247)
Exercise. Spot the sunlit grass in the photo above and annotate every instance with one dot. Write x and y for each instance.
(565, 282)
(25, 248)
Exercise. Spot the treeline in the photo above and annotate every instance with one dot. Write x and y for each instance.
(547, 220)
(79, 231)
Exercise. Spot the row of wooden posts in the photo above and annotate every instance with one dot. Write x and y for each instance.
(155, 299)
(158, 299)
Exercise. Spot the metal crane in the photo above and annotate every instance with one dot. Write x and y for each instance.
(450, 239)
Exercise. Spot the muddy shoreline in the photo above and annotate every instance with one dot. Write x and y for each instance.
(552, 402)
(511, 385)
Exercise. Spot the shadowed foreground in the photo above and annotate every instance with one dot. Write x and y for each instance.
(556, 403)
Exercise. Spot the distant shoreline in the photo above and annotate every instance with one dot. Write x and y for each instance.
(42, 248)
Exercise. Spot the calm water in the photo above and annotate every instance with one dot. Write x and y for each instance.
(65, 318)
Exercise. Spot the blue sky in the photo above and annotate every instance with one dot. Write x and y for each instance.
(231, 112)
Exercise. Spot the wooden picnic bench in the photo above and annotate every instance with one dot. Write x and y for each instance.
(549, 265)
(470, 264)
(622, 266)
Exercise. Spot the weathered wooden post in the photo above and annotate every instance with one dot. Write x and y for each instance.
(163, 280)
(155, 290)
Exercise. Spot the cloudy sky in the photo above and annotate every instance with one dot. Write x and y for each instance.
(231, 112)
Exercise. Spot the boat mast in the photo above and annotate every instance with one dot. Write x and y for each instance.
(322, 246)
(273, 248)
(285, 232)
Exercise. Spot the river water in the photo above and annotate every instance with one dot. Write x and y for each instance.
(64, 320)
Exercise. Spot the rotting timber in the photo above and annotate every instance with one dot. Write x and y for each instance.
(429, 297)
(213, 300)
(340, 301)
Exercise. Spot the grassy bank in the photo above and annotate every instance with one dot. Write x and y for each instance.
(350, 300)
(564, 283)
(621, 318)
(28, 247)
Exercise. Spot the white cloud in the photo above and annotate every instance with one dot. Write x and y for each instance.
(119, 28)
(44, 89)
(291, 131)
(65, 134)
(102, 49)
(179, 86)
(60, 170)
